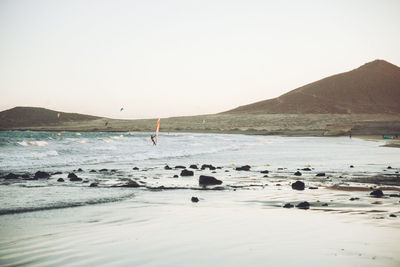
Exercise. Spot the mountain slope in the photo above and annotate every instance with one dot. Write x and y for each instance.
(32, 116)
(373, 88)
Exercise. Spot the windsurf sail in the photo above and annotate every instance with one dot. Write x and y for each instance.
(157, 129)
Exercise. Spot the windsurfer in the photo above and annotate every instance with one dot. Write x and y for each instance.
(152, 139)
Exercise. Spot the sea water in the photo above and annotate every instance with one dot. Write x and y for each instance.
(241, 222)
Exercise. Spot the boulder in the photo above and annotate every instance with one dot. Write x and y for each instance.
(93, 184)
(244, 168)
(41, 175)
(193, 166)
(187, 173)
(303, 205)
(377, 193)
(320, 174)
(325, 205)
(266, 171)
(351, 166)
(103, 170)
(297, 173)
(389, 167)
(176, 176)
(60, 180)
(75, 179)
(195, 199)
(265, 176)
(313, 187)
(306, 169)
(354, 198)
(167, 167)
(208, 180)
(56, 173)
(180, 167)
(72, 175)
(92, 170)
(288, 206)
(392, 215)
(298, 185)
(207, 166)
(11, 176)
(131, 183)
(80, 170)
(135, 168)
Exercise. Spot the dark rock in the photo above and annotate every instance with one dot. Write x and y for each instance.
(288, 206)
(325, 204)
(11, 176)
(56, 173)
(92, 170)
(389, 167)
(303, 205)
(25, 176)
(219, 168)
(80, 170)
(41, 175)
(278, 185)
(313, 187)
(244, 168)
(265, 176)
(280, 169)
(320, 174)
(72, 175)
(167, 167)
(207, 166)
(394, 195)
(298, 185)
(354, 198)
(60, 180)
(266, 171)
(74, 178)
(226, 170)
(297, 173)
(213, 172)
(176, 176)
(377, 193)
(351, 166)
(392, 215)
(306, 169)
(193, 166)
(208, 180)
(113, 170)
(180, 167)
(131, 183)
(135, 168)
(93, 184)
(103, 170)
(187, 173)
(195, 199)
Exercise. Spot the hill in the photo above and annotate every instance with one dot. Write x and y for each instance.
(373, 88)
(33, 116)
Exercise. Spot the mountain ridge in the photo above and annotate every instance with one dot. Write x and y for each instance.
(373, 88)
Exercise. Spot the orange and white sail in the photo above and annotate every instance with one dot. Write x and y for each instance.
(157, 129)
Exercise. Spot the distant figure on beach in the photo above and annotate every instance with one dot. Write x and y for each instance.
(106, 123)
(350, 135)
(152, 139)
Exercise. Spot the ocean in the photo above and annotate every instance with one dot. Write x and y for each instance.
(100, 221)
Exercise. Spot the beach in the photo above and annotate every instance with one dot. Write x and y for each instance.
(131, 203)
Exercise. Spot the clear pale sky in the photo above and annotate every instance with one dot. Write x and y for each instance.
(174, 58)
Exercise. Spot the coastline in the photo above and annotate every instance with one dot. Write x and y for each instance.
(249, 124)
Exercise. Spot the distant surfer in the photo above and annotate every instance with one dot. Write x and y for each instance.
(152, 139)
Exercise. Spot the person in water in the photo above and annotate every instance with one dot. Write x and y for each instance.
(152, 139)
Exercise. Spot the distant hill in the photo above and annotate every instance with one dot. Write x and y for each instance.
(32, 116)
(373, 88)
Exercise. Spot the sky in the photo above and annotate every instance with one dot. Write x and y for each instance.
(178, 58)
